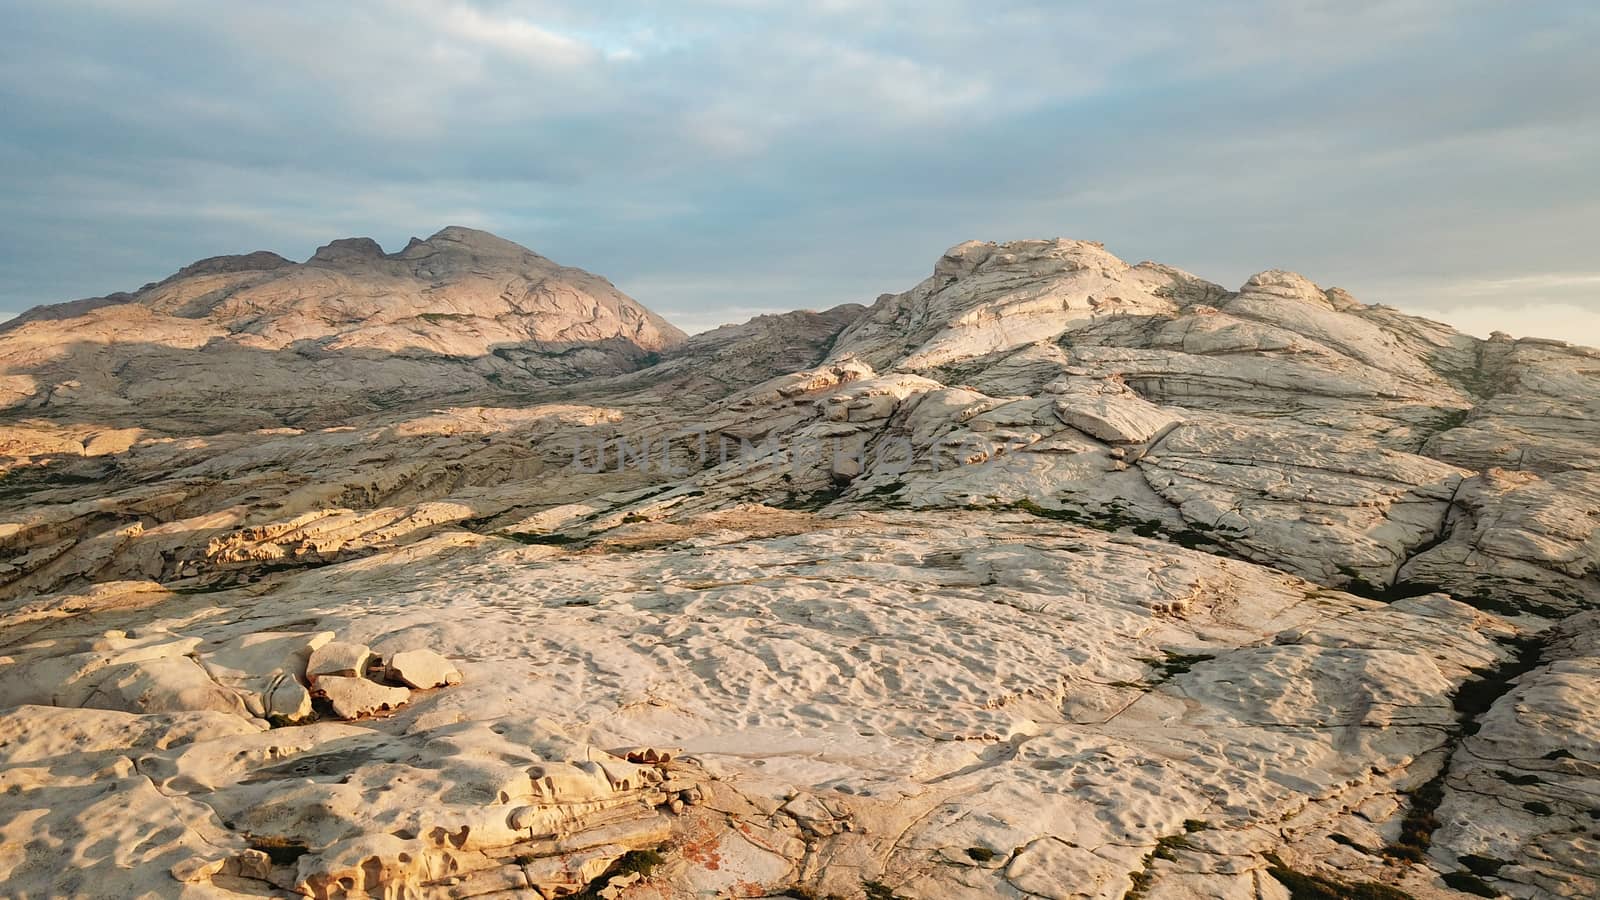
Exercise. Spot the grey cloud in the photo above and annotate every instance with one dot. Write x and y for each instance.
(714, 157)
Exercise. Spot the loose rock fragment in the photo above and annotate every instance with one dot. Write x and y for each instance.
(338, 658)
(423, 669)
(352, 698)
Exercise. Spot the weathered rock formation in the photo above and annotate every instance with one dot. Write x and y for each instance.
(1052, 576)
(352, 329)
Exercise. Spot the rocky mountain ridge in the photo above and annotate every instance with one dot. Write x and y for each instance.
(1052, 576)
(351, 329)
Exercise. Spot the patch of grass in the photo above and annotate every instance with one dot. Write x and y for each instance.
(1417, 828)
(1167, 847)
(1193, 825)
(1305, 886)
(1141, 881)
(1539, 808)
(640, 862)
(981, 854)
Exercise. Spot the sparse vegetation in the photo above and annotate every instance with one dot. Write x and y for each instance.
(1471, 701)
(1113, 517)
(1417, 828)
(1305, 886)
(640, 862)
(1166, 848)
(1448, 420)
(281, 850)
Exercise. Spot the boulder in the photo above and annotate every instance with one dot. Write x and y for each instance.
(1109, 412)
(267, 669)
(353, 698)
(340, 658)
(423, 669)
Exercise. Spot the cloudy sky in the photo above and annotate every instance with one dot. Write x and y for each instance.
(720, 158)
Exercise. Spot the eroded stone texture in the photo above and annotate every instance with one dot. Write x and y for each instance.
(1053, 576)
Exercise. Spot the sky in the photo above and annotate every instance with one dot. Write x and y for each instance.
(718, 159)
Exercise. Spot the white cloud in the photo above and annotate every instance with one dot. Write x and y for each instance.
(1558, 321)
(697, 321)
(513, 35)
(1562, 306)
(835, 147)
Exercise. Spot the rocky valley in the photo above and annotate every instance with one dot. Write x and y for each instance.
(454, 572)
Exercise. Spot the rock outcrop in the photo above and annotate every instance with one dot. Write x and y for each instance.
(1053, 576)
(352, 329)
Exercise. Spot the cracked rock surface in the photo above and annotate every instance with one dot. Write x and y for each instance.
(456, 573)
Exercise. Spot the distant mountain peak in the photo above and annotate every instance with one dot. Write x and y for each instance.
(466, 309)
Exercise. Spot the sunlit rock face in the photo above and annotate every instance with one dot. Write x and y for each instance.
(453, 572)
(351, 329)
